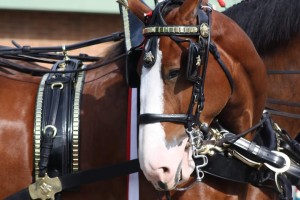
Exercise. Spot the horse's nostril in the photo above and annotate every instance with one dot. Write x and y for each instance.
(165, 169)
(162, 185)
(180, 176)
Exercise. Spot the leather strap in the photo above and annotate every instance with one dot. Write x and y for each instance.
(283, 102)
(284, 114)
(235, 170)
(154, 118)
(213, 49)
(56, 120)
(283, 72)
(89, 176)
(239, 172)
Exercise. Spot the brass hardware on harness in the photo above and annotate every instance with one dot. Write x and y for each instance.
(57, 84)
(196, 137)
(200, 173)
(37, 125)
(64, 51)
(62, 66)
(210, 146)
(204, 30)
(276, 127)
(277, 130)
(45, 188)
(76, 120)
(53, 128)
(286, 165)
(148, 57)
(198, 61)
(245, 160)
(171, 30)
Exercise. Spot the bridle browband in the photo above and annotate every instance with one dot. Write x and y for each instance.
(197, 64)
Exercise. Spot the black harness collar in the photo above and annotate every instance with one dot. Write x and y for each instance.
(56, 132)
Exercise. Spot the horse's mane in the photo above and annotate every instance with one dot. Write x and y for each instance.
(113, 50)
(114, 54)
(268, 23)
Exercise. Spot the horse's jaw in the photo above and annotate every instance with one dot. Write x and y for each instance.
(164, 164)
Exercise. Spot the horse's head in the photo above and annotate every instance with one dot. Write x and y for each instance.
(176, 76)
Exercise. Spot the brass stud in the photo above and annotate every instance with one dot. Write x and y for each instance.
(204, 30)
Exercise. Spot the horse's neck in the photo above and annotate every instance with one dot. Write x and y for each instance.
(285, 57)
(105, 71)
(248, 98)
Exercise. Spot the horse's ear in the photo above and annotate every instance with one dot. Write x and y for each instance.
(188, 9)
(138, 8)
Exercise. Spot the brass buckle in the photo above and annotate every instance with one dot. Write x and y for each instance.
(45, 188)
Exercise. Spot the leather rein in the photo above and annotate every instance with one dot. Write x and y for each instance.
(38, 54)
(282, 102)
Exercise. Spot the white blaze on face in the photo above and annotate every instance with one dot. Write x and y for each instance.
(159, 161)
(151, 101)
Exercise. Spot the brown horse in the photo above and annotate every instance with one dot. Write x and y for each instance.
(168, 81)
(103, 128)
(276, 36)
(104, 123)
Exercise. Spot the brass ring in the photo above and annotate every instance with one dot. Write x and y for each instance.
(54, 129)
(57, 84)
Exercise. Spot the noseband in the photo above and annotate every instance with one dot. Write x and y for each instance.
(197, 62)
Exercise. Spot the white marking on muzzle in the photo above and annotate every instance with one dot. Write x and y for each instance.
(151, 100)
(163, 162)
(160, 161)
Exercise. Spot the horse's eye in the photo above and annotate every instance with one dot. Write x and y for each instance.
(174, 73)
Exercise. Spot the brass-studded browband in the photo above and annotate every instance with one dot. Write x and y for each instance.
(202, 30)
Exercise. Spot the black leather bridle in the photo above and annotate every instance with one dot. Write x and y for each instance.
(197, 61)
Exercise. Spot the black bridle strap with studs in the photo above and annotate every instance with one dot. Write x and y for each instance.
(158, 27)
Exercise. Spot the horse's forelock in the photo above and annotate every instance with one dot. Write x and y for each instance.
(173, 4)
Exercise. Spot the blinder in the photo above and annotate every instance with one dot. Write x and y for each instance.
(196, 59)
(132, 59)
(195, 56)
(150, 51)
